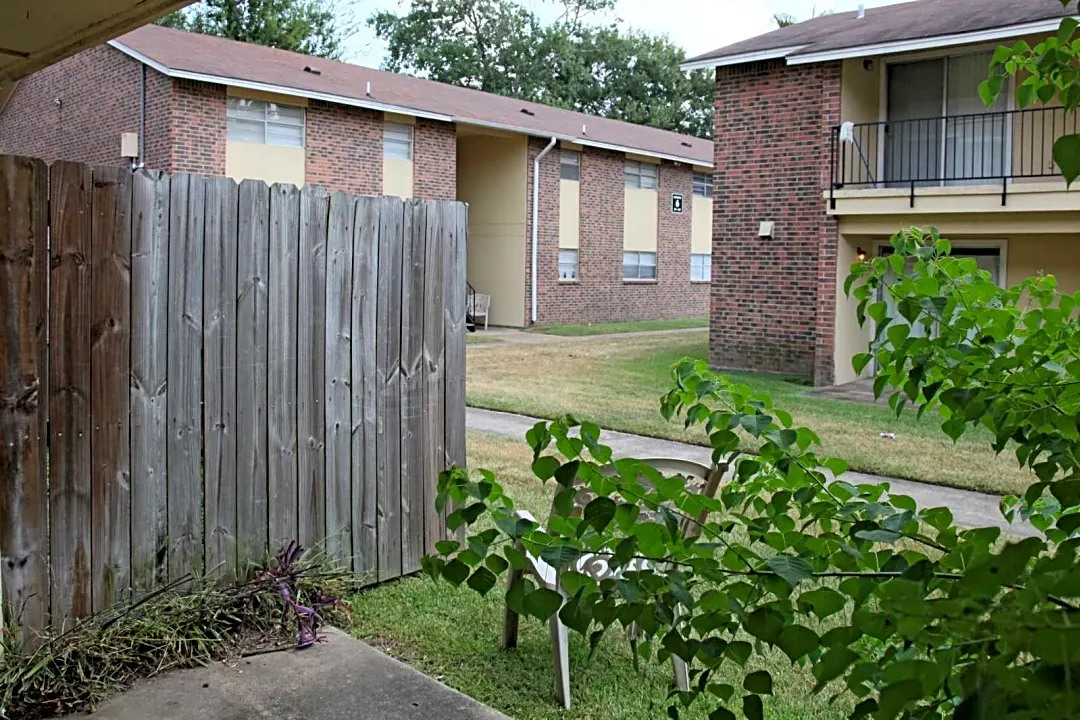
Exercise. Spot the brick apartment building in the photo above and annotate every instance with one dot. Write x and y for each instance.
(623, 222)
(841, 130)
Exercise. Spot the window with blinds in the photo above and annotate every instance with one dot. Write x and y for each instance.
(268, 123)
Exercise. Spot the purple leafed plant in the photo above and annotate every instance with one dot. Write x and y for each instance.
(284, 576)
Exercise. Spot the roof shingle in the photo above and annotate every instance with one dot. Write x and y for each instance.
(922, 19)
(207, 55)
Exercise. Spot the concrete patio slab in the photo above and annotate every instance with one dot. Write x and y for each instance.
(339, 679)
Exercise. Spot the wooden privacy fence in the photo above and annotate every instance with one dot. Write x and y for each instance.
(194, 372)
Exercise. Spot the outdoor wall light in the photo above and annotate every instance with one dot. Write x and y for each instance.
(861, 254)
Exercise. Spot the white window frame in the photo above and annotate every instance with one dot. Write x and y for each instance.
(700, 267)
(703, 184)
(638, 256)
(263, 114)
(569, 264)
(570, 160)
(640, 175)
(398, 135)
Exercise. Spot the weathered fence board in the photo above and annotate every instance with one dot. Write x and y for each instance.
(339, 290)
(219, 376)
(455, 224)
(184, 387)
(434, 388)
(253, 260)
(414, 257)
(149, 362)
(110, 327)
(24, 396)
(220, 369)
(70, 516)
(282, 343)
(365, 390)
(310, 368)
(392, 229)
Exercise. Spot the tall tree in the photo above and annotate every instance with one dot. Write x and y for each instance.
(312, 27)
(500, 47)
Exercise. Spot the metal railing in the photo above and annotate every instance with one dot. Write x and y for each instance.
(977, 149)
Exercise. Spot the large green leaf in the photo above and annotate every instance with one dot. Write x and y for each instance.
(542, 603)
(797, 641)
(759, 682)
(752, 707)
(792, 569)
(765, 624)
(482, 581)
(456, 572)
(599, 513)
(560, 556)
(823, 602)
(833, 664)
(1067, 156)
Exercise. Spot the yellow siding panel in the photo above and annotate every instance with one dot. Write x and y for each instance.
(569, 214)
(269, 163)
(492, 179)
(397, 178)
(1057, 255)
(701, 235)
(640, 216)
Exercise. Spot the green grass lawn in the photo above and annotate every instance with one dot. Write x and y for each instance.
(617, 383)
(453, 635)
(624, 327)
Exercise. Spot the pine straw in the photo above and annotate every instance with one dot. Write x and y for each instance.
(165, 630)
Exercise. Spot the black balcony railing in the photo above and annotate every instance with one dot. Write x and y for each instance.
(977, 149)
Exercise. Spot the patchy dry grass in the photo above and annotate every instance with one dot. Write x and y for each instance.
(617, 383)
(453, 635)
(623, 327)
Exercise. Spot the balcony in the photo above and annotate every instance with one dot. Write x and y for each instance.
(983, 154)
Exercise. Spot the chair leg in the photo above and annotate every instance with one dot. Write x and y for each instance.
(560, 647)
(682, 674)
(511, 618)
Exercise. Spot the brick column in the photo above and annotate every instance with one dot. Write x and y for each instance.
(772, 144)
(344, 148)
(197, 127)
(434, 160)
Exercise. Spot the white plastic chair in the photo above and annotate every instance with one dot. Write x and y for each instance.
(708, 482)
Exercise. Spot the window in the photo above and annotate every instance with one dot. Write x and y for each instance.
(570, 165)
(268, 123)
(700, 268)
(640, 175)
(703, 184)
(568, 265)
(397, 141)
(639, 266)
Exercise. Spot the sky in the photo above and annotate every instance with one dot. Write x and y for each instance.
(696, 25)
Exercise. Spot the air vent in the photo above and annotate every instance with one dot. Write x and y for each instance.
(686, 144)
(313, 71)
(527, 111)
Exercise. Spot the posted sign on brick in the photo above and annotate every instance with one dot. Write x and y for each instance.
(676, 203)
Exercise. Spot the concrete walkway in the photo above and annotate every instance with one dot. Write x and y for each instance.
(972, 509)
(512, 336)
(338, 679)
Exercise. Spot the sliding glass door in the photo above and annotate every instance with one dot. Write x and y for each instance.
(939, 131)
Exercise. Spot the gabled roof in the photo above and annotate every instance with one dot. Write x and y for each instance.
(227, 62)
(893, 28)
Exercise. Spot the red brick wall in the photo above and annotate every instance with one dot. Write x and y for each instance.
(601, 294)
(198, 128)
(159, 93)
(344, 148)
(771, 150)
(74, 110)
(434, 160)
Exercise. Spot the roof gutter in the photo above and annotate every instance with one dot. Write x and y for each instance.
(536, 218)
(386, 107)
